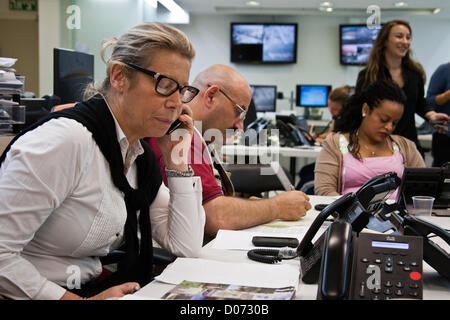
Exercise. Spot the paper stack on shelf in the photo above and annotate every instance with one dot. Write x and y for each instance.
(11, 112)
(8, 81)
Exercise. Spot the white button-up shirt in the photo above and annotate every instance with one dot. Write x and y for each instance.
(60, 210)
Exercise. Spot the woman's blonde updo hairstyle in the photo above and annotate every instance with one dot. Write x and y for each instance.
(138, 45)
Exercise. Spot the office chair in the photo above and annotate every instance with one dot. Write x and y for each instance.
(306, 182)
(255, 179)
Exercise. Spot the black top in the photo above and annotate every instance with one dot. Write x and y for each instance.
(415, 103)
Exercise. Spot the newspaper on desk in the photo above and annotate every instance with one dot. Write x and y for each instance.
(210, 279)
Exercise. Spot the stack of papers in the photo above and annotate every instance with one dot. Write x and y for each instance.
(8, 81)
(10, 111)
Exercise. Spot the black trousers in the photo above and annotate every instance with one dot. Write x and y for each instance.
(440, 149)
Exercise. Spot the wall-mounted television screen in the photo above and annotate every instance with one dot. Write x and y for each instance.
(264, 97)
(356, 41)
(311, 95)
(264, 42)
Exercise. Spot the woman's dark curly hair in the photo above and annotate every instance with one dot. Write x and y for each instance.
(350, 118)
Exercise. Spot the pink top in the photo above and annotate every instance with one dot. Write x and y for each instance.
(355, 172)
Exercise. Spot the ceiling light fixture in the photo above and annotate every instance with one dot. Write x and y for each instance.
(436, 11)
(252, 3)
(400, 4)
(326, 6)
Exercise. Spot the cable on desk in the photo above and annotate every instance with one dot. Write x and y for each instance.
(271, 256)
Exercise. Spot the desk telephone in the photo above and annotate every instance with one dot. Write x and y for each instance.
(293, 134)
(259, 127)
(369, 266)
(358, 265)
(355, 208)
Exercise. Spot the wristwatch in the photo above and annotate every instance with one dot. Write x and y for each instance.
(176, 173)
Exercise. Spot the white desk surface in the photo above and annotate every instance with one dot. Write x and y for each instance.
(300, 152)
(435, 287)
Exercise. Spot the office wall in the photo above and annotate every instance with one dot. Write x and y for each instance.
(318, 41)
(318, 49)
(101, 19)
(49, 33)
(19, 39)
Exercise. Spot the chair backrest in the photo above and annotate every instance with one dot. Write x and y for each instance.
(258, 178)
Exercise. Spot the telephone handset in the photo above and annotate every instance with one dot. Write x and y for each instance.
(177, 123)
(289, 134)
(356, 208)
(335, 267)
(433, 254)
(255, 130)
(307, 135)
(369, 266)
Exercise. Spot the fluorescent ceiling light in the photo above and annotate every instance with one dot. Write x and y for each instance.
(252, 3)
(436, 11)
(400, 4)
(153, 3)
(177, 13)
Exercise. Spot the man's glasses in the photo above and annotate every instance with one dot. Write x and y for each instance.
(167, 86)
(242, 111)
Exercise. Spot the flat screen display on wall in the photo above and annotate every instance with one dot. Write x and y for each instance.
(356, 41)
(263, 43)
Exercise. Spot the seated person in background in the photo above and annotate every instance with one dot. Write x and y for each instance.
(221, 104)
(336, 100)
(362, 145)
(79, 183)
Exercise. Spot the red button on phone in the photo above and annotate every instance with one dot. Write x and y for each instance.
(415, 275)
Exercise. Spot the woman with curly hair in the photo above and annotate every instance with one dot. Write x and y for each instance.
(362, 145)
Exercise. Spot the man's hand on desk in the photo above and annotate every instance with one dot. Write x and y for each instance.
(292, 205)
(231, 213)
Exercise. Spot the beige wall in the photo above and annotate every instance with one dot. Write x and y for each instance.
(19, 39)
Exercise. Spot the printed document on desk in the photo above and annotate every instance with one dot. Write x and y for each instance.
(241, 274)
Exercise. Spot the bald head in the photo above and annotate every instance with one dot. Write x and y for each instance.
(224, 76)
(224, 94)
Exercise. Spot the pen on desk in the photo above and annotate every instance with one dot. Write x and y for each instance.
(311, 129)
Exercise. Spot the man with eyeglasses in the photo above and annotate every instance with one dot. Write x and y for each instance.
(222, 104)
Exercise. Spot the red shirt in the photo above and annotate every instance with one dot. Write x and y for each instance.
(202, 168)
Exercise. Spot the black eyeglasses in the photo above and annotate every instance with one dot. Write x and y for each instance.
(167, 86)
(242, 111)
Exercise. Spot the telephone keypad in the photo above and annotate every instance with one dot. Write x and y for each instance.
(392, 270)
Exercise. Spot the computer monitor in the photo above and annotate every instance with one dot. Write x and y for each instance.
(311, 95)
(264, 97)
(72, 72)
(263, 43)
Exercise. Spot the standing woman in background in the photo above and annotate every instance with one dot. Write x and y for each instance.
(438, 96)
(390, 59)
